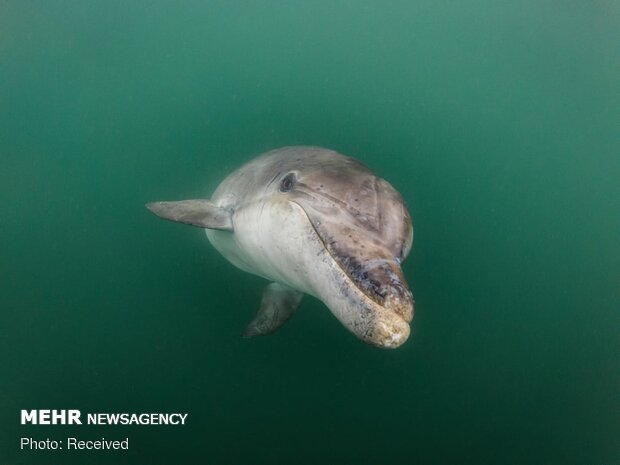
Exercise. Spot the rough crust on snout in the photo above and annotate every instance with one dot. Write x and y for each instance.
(386, 329)
(391, 337)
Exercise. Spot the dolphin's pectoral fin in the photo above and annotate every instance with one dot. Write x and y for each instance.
(201, 213)
(277, 307)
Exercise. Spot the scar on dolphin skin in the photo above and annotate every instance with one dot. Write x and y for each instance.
(312, 221)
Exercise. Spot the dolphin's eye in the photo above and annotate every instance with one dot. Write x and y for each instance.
(287, 182)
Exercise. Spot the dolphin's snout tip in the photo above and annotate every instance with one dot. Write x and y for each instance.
(390, 334)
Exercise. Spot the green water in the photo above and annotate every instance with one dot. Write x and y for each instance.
(499, 122)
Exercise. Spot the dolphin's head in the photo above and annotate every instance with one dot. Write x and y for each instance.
(364, 232)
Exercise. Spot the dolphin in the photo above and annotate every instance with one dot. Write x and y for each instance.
(312, 221)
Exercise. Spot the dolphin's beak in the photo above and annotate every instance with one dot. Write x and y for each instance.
(372, 282)
(385, 296)
(379, 277)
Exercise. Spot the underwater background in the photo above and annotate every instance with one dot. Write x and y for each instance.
(499, 123)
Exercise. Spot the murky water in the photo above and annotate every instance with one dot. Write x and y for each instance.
(500, 126)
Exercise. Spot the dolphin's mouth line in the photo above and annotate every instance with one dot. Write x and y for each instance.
(381, 326)
(355, 282)
(327, 248)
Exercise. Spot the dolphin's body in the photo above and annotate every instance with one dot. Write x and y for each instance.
(317, 222)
